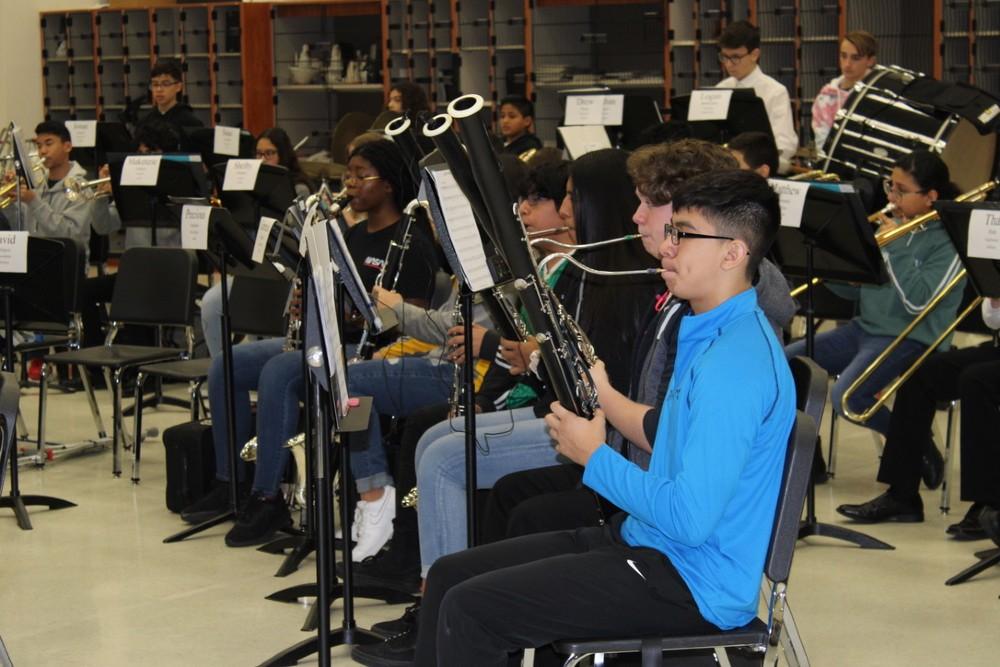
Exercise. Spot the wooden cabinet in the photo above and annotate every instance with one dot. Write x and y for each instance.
(237, 57)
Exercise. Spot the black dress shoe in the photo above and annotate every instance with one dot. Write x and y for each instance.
(932, 467)
(968, 528)
(884, 508)
(989, 520)
(398, 651)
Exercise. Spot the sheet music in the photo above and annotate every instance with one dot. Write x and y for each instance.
(260, 242)
(984, 234)
(791, 198)
(582, 139)
(82, 133)
(710, 104)
(462, 230)
(352, 280)
(226, 141)
(326, 298)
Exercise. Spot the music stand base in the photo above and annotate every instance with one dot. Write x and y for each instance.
(370, 592)
(310, 590)
(339, 637)
(304, 546)
(988, 559)
(816, 529)
(228, 515)
(20, 503)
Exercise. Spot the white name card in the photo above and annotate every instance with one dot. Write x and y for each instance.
(194, 226)
(594, 109)
(82, 133)
(141, 170)
(263, 233)
(227, 141)
(792, 199)
(13, 252)
(984, 234)
(241, 174)
(709, 104)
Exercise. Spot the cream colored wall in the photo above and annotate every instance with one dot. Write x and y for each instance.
(21, 58)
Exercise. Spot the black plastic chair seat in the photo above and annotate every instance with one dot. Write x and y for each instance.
(42, 327)
(115, 356)
(44, 344)
(182, 369)
(753, 633)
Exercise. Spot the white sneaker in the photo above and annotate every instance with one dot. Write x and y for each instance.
(355, 525)
(375, 525)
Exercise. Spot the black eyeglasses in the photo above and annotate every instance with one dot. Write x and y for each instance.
(675, 235)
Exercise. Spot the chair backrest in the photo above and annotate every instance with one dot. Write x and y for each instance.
(810, 387)
(791, 498)
(10, 394)
(155, 285)
(50, 291)
(257, 305)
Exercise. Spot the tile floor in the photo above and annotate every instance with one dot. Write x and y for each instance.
(95, 585)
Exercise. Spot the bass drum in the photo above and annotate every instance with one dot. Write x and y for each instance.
(882, 121)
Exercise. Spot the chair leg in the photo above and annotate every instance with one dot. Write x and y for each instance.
(116, 422)
(43, 386)
(721, 657)
(194, 391)
(831, 457)
(95, 411)
(791, 641)
(140, 378)
(22, 426)
(949, 438)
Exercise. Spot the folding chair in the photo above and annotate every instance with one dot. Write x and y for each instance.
(256, 307)
(155, 287)
(760, 636)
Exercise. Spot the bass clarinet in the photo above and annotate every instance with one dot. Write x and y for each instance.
(565, 350)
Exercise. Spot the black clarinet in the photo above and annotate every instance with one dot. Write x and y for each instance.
(392, 267)
(565, 350)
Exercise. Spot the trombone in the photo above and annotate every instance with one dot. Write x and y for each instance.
(976, 194)
(80, 189)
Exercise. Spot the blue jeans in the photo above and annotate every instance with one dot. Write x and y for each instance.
(847, 351)
(508, 441)
(277, 377)
(211, 317)
(397, 387)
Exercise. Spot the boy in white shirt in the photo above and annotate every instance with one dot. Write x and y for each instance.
(739, 52)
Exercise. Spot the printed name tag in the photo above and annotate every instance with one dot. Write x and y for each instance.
(227, 141)
(241, 174)
(709, 104)
(194, 226)
(984, 234)
(263, 233)
(792, 199)
(141, 170)
(13, 252)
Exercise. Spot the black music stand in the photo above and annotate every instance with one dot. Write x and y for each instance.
(111, 137)
(272, 194)
(201, 140)
(985, 277)
(149, 205)
(325, 359)
(17, 501)
(835, 242)
(229, 247)
(747, 113)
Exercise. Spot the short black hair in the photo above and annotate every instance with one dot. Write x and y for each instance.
(547, 180)
(739, 203)
(757, 148)
(53, 127)
(167, 67)
(740, 33)
(521, 103)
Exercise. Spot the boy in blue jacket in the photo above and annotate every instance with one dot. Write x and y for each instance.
(688, 552)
